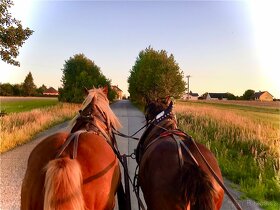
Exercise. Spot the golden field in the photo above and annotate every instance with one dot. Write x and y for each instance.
(19, 128)
(245, 137)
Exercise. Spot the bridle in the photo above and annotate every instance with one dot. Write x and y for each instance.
(91, 119)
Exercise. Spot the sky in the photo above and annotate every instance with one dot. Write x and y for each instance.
(225, 46)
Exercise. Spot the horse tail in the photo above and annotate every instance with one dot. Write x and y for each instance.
(198, 188)
(63, 185)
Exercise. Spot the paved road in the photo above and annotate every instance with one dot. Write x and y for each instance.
(13, 163)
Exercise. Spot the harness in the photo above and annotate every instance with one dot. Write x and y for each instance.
(180, 138)
(89, 121)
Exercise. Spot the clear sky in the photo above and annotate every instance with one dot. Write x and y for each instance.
(226, 46)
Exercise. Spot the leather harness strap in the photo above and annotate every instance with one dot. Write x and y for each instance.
(176, 135)
(89, 120)
(180, 144)
(180, 154)
(73, 137)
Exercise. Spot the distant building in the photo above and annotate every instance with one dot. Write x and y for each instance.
(191, 96)
(262, 96)
(50, 92)
(214, 96)
(118, 91)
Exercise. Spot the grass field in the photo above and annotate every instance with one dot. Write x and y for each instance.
(245, 139)
(26, 118)
(22, 104)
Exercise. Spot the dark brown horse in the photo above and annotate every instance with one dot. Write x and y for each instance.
(77, 170)
(169, 176)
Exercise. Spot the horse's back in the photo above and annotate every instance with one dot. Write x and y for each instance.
(32, 192)
(98, 163)
(101, 171)
(160, 173)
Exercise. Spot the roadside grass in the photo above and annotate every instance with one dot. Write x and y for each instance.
(246, 142)
(26, 105)
(19, 128)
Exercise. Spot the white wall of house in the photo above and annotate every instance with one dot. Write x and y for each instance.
(189, 97)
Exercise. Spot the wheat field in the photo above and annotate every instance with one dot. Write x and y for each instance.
(246, 142)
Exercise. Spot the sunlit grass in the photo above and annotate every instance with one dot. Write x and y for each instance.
(15, 106)
(19, 128)
(245, 142)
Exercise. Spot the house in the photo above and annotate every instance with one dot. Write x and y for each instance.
(118, 91)
(190, 96)
(50, 92)
(262, 96)
(214, 96)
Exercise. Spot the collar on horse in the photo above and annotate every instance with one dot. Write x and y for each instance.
(162, 120)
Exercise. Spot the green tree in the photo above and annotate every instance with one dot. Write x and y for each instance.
(231, 96)
(18, 90)
(112, 94)
(247, 94)
(155, 75)
(41, 90)
(29, 88)
(6, 89)
(12, 34)
(80, 72)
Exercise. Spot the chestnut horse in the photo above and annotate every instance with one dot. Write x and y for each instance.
(77, 170)
(171, 177)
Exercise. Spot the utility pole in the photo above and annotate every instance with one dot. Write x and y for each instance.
(188, 87)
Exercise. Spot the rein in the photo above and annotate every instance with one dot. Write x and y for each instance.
(234, 201)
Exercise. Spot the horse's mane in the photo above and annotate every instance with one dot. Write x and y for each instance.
(102, 102)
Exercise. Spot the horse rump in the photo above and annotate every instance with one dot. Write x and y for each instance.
(197, 188)
(63, 184)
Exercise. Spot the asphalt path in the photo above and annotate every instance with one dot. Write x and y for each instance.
(13, 163)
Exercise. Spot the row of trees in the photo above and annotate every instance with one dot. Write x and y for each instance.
(247, 95)
(27, 88)
(157, 75)
(79, 72)
(154, 75)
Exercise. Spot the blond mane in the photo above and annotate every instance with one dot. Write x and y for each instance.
(102, 102)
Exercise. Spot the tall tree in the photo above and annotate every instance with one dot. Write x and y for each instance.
(248, 94)
(80, 72)
(155, 75)
(29, 88)
(12, 34)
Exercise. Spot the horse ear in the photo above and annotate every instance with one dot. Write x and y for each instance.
(105, 90)
(86, 91)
